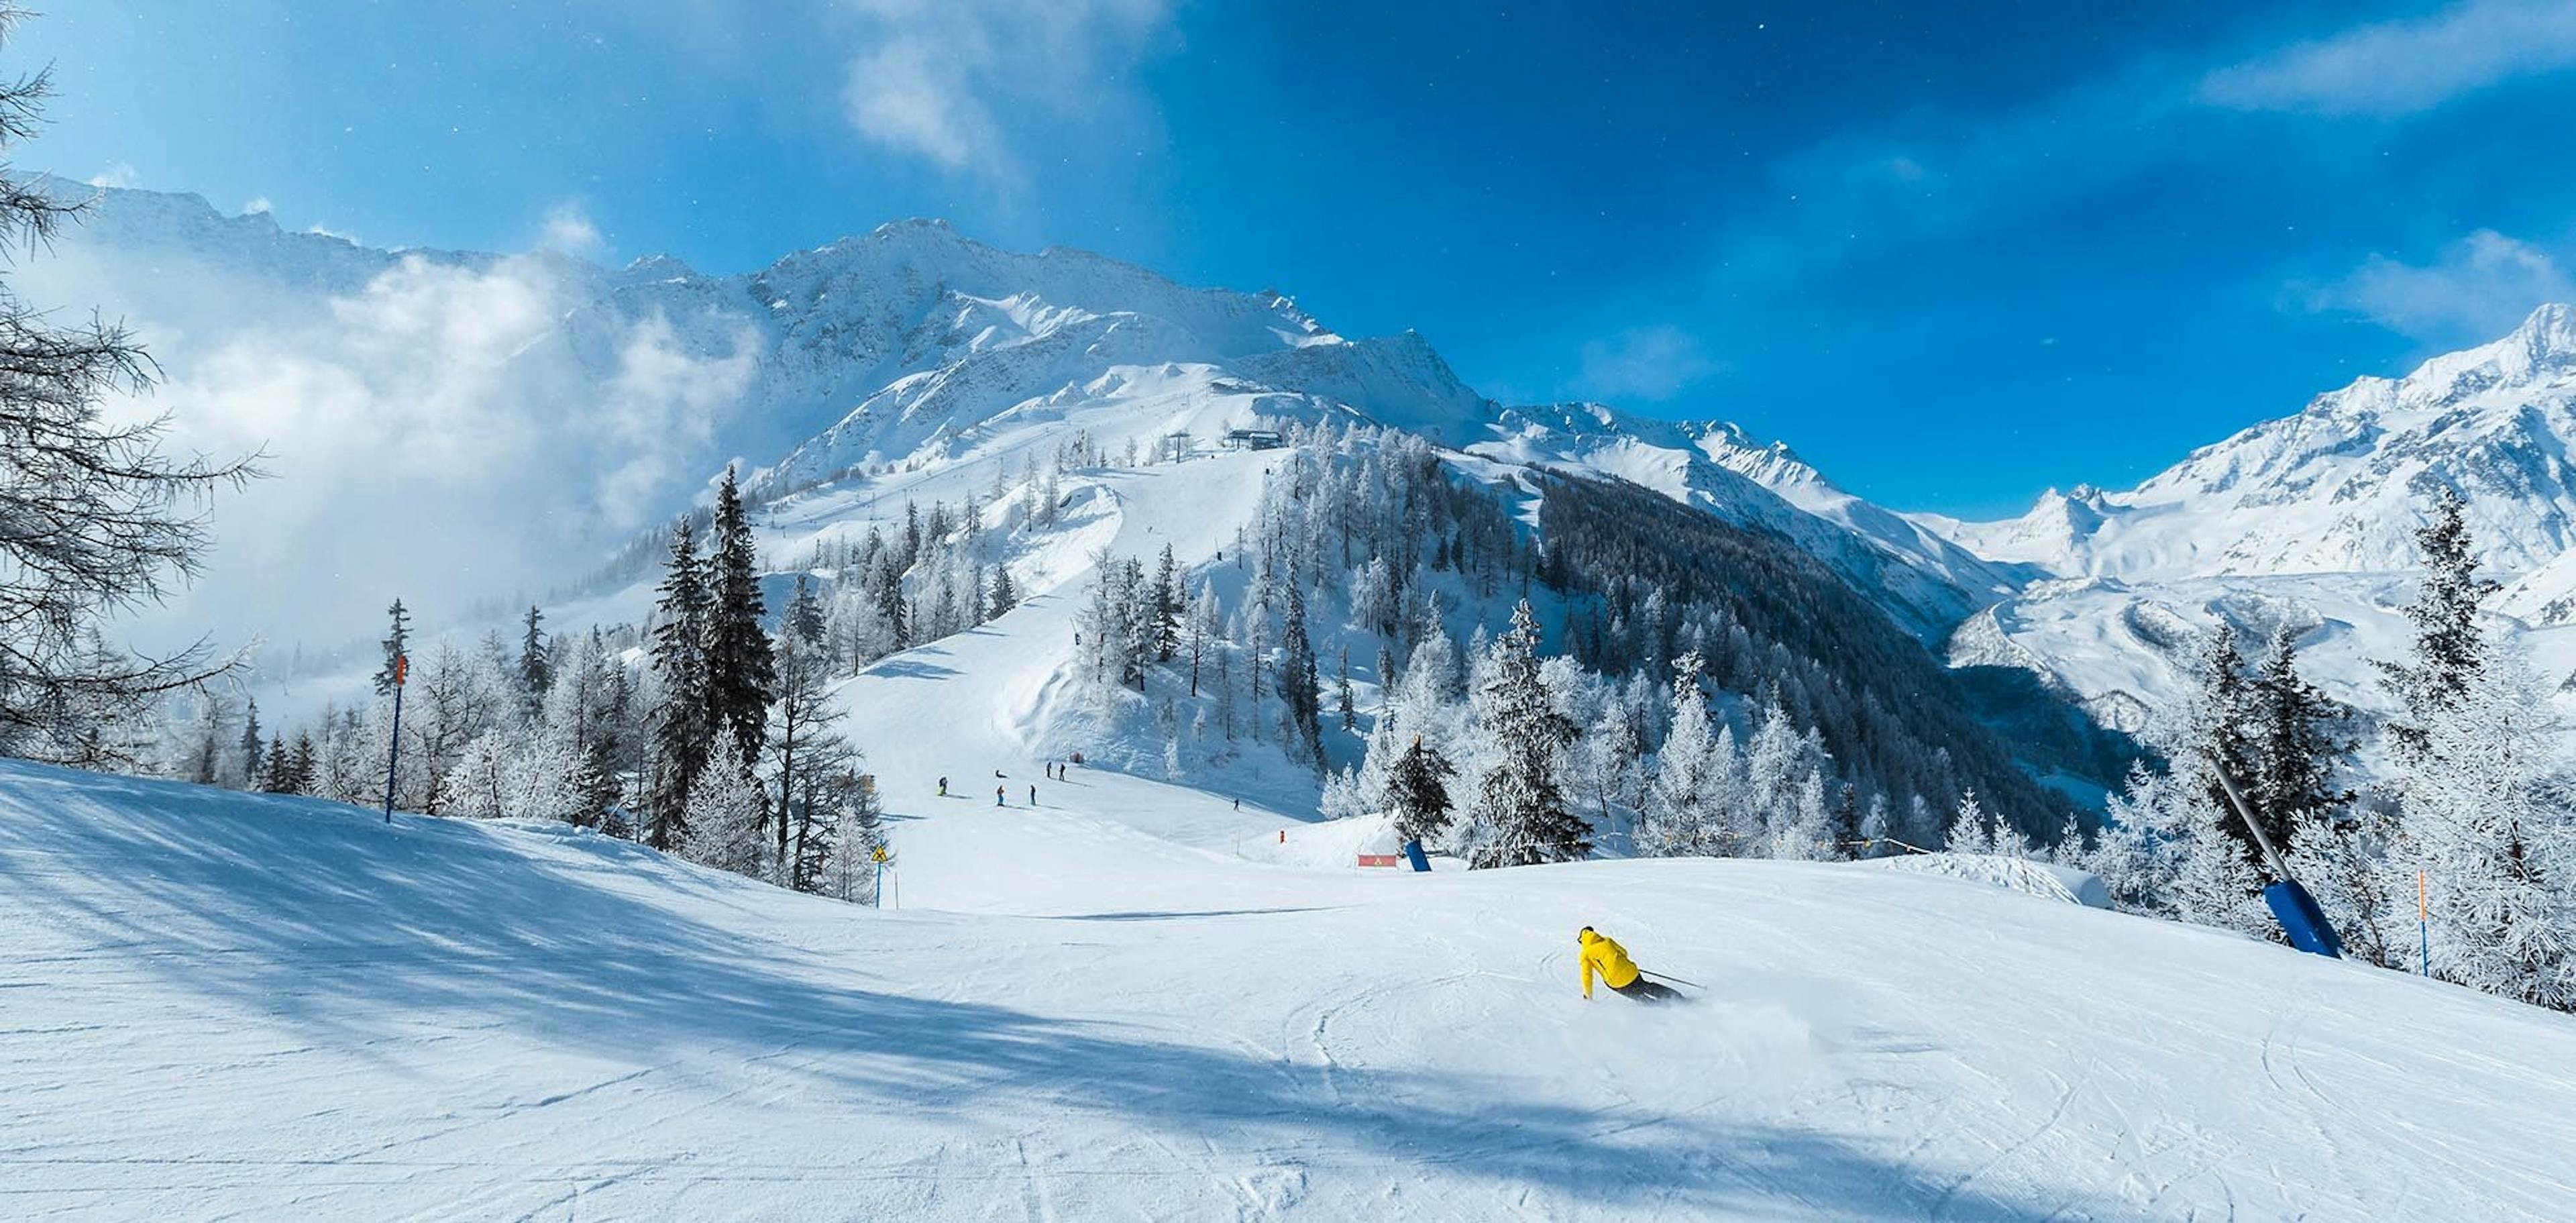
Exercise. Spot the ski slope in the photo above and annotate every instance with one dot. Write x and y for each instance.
(217, 1004)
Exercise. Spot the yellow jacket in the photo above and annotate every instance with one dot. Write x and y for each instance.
(1608, 958)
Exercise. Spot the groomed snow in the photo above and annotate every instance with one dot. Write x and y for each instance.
(219, 1004)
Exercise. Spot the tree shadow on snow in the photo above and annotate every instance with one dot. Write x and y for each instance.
(325, 919)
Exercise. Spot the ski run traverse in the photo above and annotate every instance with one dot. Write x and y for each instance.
(1135, 1001)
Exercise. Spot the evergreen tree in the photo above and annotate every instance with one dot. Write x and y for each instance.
(306, 765)
(1004, 597)
(2449, 651)
(1343, 699)
(1520, 815)
(1970, 831)
(279, 777)
(725, 815)
(805, 613)
(1679, 818)
(740, 667)
(536, 661)
(2487, 818)
(1417, 788)
(396, 643)
(1167, 607)
(1300, 688)
(2294, 756)
(251, 771)
(682, 732)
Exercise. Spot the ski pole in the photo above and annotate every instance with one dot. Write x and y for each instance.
(1675, 980)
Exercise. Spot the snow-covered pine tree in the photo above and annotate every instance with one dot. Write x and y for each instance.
(1773, 768)
(1807, 837)
(249, 755)
(1679, 818)
(1300, 688)
(2295, 755)
(1610, 752)
(1004, 596)
(536, 661)
(2449, 648)
(1203, 624)
(805, 613)
(1166, 599)
(1971, 832)
(1345, 704)
(1520, 816)
(726, 814)
(2488, 817)
(741, 667)
(682, 733)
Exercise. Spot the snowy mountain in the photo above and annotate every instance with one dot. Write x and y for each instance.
(2340, 487)
(912, 344)
(2306, 521)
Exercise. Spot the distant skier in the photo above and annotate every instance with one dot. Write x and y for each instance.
(997, 797)
(943, 787)
(1033, 796)
(1617, 971)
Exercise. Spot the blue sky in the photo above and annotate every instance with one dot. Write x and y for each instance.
(1953, 254)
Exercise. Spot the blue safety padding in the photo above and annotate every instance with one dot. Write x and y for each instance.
(2302, 920)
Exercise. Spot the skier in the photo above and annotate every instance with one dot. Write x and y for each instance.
(1033, 796)
(997, 797)
(1617, 970)
(943, 787)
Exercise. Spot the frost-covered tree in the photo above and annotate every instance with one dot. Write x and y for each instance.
(726, 815)
(2295, 755)
(2490, 816)
(1971, 831)
(2449, 650)
(1682, 816)
(1520, 816)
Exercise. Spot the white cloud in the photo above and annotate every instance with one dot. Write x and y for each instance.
(568, 231)
(935, 78)
(257, 204)
(437, 431)
(118, 174)
(328, 232)
(2399, 67)
(2474, 289)
(1643, 363)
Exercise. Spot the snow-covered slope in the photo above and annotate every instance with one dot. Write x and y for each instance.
(221, 1004)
